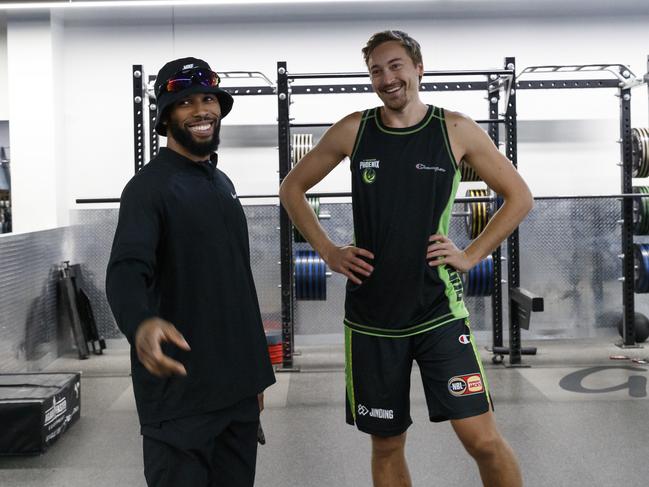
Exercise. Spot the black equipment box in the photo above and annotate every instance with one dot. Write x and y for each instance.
(35, 409)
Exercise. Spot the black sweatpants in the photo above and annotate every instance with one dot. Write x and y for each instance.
(218, 449)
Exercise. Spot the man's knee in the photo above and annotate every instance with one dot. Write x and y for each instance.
(484, 446)
(386, 446)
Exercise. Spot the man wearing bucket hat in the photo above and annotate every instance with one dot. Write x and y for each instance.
(180, 286)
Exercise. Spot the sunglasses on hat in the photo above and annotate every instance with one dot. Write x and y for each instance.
(189, 77)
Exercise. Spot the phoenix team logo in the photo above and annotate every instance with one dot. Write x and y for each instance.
(368, 169)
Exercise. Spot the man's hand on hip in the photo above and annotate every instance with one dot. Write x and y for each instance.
(442, 250)
(347, 261)
(148, 337)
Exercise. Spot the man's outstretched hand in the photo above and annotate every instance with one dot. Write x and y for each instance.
(148, 338)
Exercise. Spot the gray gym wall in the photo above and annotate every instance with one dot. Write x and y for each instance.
(568, 255)
(29, 339)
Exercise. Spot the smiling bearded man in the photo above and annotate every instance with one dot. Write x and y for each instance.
(404, 298)
(180, 286)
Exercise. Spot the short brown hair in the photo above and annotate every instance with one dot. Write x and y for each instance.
(411, 46)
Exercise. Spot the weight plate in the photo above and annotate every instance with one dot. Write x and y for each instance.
(310, 276)
(640, 152)
(467, 173)
(479, 280)
(478, 212)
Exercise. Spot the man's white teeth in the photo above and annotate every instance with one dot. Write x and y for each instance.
(393, 90)
(200, 128)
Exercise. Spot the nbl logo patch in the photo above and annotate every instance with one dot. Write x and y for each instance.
(466, 385)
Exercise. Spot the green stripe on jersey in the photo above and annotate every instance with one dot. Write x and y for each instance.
(456, 303)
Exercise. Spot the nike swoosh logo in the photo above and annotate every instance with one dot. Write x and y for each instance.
(234, 196)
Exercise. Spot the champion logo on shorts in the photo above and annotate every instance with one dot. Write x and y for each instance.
(464, 339)
(466, 385)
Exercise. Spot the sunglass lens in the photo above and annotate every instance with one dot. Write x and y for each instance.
(178, 84)
(186, 79)
(206, 78)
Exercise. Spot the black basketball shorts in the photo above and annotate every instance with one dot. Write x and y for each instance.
(377, 371)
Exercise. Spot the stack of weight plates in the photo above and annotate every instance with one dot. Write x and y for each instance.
(641, 263)
(640, 148)
(300, 145)
(478, 212)
(274, 341)
(479, 280)
(641, 211)
(467, 172)
(310, 276)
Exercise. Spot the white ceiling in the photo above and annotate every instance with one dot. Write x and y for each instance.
(332, 10)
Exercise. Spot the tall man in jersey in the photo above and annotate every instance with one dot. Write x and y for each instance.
(180, 286)
(404, 295)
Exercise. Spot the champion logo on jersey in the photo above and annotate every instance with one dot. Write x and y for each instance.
(428, 167)
(464, 339)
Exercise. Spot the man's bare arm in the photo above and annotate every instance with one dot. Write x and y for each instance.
(471, 143)
(336, 144)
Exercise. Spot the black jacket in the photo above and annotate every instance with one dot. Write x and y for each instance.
(181, 253)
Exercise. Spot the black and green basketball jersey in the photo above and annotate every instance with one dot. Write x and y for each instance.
(404, 182)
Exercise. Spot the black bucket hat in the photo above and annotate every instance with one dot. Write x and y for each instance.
(165, 99)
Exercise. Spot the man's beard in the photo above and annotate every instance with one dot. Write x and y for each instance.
(184, 137)
(396, 104)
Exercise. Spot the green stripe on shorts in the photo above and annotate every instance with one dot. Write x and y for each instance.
(479, 360)
(349, 378)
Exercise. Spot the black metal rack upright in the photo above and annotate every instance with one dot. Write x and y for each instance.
(496, 295)
(497, 80)
(138, 116)
(285, 235)
(623, 80)
(513, 260)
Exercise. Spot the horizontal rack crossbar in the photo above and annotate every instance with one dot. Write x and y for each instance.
(562, 84)
(363, 74)
(250, 90)
(457, 200)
